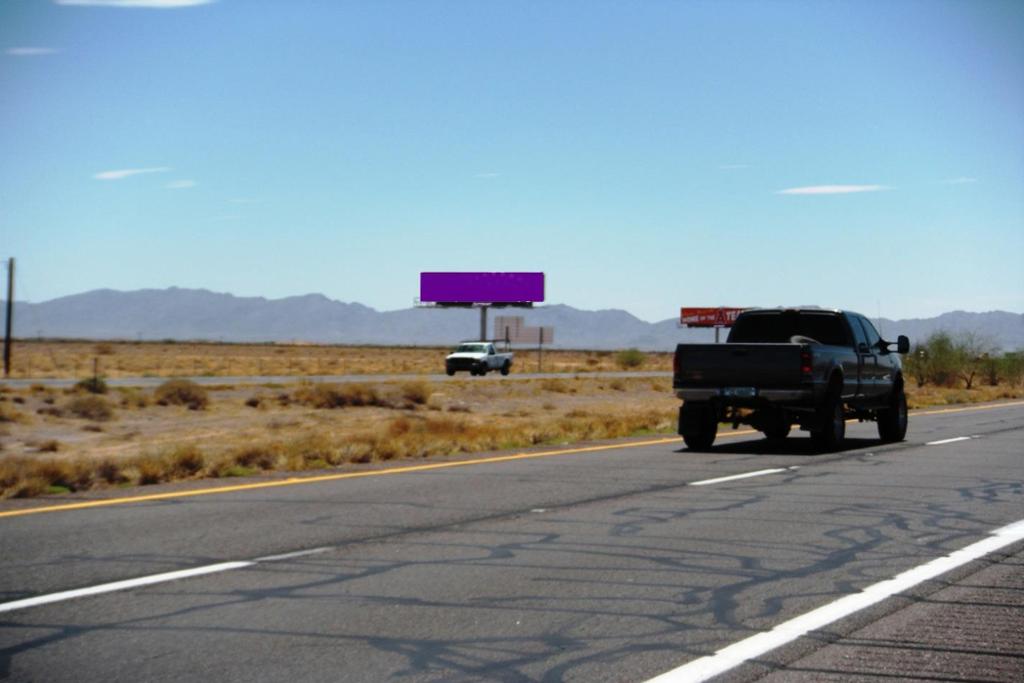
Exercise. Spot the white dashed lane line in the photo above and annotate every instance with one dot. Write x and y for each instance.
(745, 475)
(945, 441)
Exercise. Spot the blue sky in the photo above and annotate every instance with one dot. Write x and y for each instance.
(644, 155)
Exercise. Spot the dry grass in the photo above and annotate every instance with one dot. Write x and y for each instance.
(923, 397)
(318, 426)
(95, 408)
(9, 413)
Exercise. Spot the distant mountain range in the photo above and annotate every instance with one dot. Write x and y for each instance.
(199, 314)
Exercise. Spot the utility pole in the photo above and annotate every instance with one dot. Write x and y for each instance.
(10, 317)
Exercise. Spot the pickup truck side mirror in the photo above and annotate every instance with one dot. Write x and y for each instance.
(902, 345)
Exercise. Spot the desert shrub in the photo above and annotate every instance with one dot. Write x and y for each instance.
(48, 446)
(1011, 368)
(151, 470)
(110, 472)
(95, 408)
(313, 451)
(133, 398)
(253, 401)
(185, 461)
(617, 385)
(181, 392)
(417, 392)
(256, 456)
(8, 414)
(104, 349)
(92, 385)
(557, 386)
(337, 395)
(64, 474)
(630, 358)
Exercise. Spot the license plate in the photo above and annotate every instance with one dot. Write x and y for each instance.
(739, 392)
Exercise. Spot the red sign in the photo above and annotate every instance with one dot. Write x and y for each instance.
(709, 317)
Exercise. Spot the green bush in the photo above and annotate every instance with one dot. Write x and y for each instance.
(92, 385)
(630, 358)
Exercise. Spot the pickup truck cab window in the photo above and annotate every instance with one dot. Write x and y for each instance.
(872, 334)
(472, 348)
(781, 327)
(859, 337)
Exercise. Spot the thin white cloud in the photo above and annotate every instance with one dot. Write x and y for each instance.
(832, 189)
(120, 174)
(150, 4)
(31, 51)
(963, 180)
(180, 184)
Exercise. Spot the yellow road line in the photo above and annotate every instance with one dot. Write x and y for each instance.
(969, 409)
(296, 481)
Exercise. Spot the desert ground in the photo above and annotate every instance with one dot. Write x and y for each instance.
(79, 359)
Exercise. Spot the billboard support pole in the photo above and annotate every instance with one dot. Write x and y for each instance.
(10, 317)
(483, 323)
(540, 349)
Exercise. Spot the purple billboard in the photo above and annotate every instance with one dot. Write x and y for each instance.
(483, 288)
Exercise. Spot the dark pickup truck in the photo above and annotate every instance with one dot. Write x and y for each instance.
(779, 367)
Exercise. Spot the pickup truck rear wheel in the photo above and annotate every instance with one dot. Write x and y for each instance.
(698, 425)
(831, 428)
(451, 372)
(892, 422)
(505, 368)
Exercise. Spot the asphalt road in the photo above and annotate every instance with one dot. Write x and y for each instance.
(150, 382)
(619, 563)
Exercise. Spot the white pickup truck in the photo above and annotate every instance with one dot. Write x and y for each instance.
(477, 357)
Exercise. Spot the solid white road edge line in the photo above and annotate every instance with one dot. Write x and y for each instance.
(953, 440)
(732, 656)
(734, 477)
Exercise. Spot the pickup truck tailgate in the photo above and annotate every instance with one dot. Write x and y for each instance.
(732, 365)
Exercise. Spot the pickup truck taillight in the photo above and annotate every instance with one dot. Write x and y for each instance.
(805, 364)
